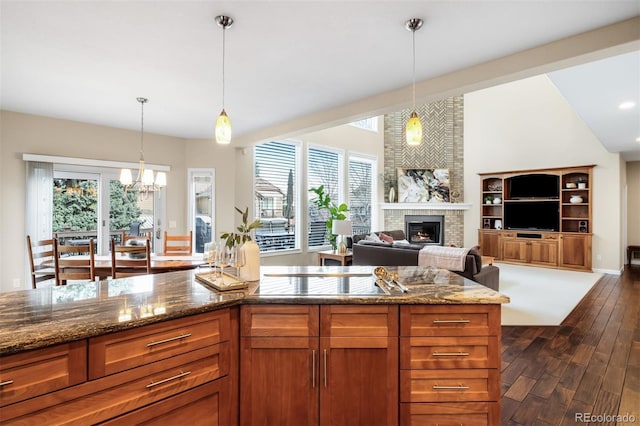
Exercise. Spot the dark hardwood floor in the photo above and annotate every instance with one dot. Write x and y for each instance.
(588, 364)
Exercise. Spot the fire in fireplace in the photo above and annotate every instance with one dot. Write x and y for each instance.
(424, 229)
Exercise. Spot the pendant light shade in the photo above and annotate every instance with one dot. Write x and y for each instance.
(414, 126)
(223, 124)
(223, 129)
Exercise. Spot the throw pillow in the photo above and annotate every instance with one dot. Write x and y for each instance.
(386, 238)
(373, 237)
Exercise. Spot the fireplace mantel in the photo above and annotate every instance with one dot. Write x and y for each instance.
(425, 206)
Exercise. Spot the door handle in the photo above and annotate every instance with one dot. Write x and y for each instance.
(325, 368)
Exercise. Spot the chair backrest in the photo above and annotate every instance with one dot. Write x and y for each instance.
(74, 262)
(41, 260)
(130, 260)
(177, 244)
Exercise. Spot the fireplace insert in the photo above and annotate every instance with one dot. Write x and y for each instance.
(424, 229)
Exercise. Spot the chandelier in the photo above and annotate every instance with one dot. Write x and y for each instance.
(414, 126)
(145, 183)
(223, 125)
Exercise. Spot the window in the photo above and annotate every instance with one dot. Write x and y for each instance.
(370, 124)
(362, 190)
(324, 167)
(201, 207)
(276, 195)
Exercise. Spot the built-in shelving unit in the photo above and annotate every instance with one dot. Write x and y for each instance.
(541, 216)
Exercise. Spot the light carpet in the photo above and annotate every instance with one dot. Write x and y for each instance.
(541, 296)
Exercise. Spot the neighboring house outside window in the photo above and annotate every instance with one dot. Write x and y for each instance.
(362, 190)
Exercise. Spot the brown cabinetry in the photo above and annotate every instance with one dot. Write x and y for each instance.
(328, 364)
(450, 364)
(544, 217)
(149, 366)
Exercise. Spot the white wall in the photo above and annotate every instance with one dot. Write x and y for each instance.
(527, 124)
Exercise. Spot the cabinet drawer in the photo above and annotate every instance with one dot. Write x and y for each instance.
(123, 350)
(279, 321)
(447, 414)
(206, 405)
(450, 320)
(41, 371)
(449, 385)
(104, 399)
(358, 321)
(449, 352)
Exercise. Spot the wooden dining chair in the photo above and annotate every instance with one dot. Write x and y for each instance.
(178, 244)
(41, 260)
(74, 262)
(126, 238)
(130, 260)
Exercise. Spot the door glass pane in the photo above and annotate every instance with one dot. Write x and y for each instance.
(75, 209)
(128, 213)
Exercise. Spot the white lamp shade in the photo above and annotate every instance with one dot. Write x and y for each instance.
(125, 177)
(341, 227)
(223, 129)
(161, 179)
(414, 130)
(147, 177)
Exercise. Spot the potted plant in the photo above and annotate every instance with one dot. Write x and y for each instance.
(488, 199)
(242, 239)
(582, 182)
(323, 201)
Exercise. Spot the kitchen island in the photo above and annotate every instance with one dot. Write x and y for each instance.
(167, 346)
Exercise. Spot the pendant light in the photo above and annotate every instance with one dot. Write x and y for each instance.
(223, 125)
(414, 126)
(145, 182)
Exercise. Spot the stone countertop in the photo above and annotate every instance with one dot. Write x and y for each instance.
(31, 319)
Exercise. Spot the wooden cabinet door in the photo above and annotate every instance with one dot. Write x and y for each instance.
(359, 365)
(514, 250)
(359, 381)
(575, 251)
(280, 381)
(543, 253)
(489, 242)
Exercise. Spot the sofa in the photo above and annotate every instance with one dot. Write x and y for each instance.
(396, 251)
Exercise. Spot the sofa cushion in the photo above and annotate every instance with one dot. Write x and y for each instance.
(386, 238)
(373, 243)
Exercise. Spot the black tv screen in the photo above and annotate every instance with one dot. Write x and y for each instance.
(535, 215)
(533, 186)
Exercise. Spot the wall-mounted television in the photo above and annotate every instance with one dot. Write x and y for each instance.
(532, 215)
(533, 186)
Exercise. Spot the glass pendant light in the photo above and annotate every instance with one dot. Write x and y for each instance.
(414, 126)
(223, 125)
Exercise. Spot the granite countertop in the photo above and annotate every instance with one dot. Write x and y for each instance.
(31, 319)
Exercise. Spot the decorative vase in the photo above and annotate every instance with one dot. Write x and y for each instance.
(392, 195)
(251, 269)
(497, 200)
(582, 185)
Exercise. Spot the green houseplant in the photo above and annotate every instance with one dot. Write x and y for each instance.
(323, 201)
(243, 233)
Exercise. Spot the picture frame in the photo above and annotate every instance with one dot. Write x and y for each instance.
(423, 185)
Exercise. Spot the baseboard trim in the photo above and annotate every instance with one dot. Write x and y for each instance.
(609, 271)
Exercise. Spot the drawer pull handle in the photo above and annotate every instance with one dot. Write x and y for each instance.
(451, 321)
(461, 387)
(168, 379)
(170, 339)
(450, 354)
(8, 382)
(325, 368)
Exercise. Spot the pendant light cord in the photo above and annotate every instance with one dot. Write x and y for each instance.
(142, 101)
(413, 34)
(224, 30)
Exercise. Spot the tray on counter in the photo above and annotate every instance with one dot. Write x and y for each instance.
(212, 279)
